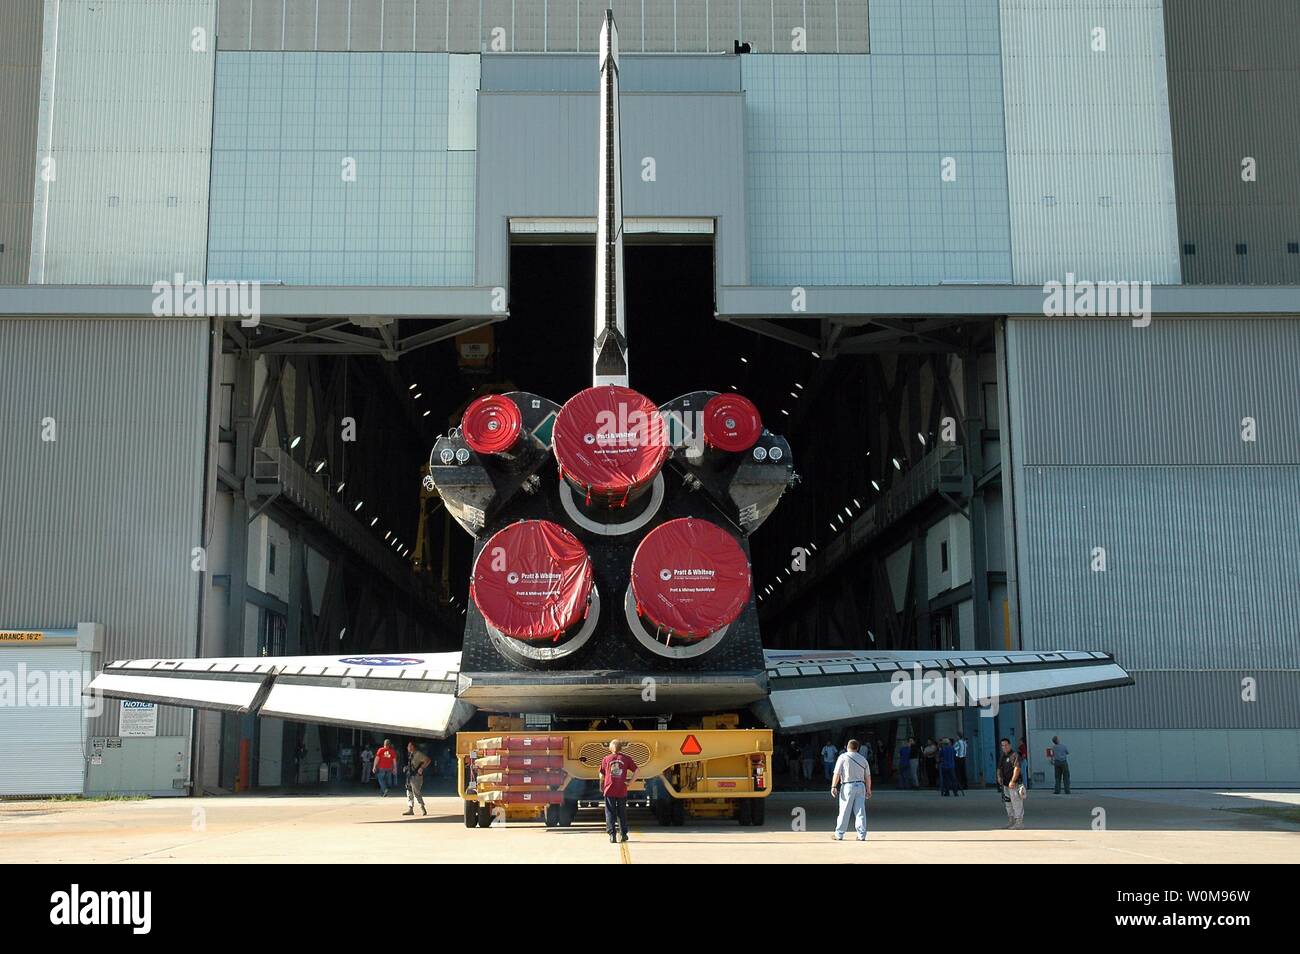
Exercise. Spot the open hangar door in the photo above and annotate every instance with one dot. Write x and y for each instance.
(893, 538)
(321, 537)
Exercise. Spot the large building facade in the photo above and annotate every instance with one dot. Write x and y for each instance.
(889, 186)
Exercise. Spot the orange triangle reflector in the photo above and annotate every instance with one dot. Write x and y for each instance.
(691, 746)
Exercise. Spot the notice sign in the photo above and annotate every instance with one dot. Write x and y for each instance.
(20, 636)
(138, 719)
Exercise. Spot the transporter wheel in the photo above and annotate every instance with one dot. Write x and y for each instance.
(744, 811)
(485, 816)
(471, 814)
(568, 811)
(551, 816)
(678, 812)
(757, 811)
(663, 809)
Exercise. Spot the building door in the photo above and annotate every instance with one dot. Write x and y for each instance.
(43, 733)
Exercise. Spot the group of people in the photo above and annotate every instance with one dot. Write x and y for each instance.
(851, 777)
(382, 765)
(802, 760)
(936, 764)
(944, 764)
(849, 772)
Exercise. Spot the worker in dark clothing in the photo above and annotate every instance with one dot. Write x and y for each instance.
(794, 759)
(1012, 785)
(948, 768)
(416, 763)
(616, 771)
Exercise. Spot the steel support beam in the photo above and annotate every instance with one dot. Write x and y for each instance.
(243, 422)
(973, 396)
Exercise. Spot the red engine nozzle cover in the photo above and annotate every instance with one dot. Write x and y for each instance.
(731, 423)
(531, 580)
(690, 577)
(491, 424)
(609, 440)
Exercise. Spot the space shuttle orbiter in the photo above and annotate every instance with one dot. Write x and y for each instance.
(611, 570)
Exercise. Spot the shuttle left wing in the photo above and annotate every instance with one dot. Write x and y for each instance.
(411, 694)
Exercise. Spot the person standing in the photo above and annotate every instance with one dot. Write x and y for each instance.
(931, 753)
(793, 755)
(959, 752)
(914, 776)
(905, 764)
(616, 771)
(1024, 763)
(829, 754)
(809, 757)
(385, 767)
(948, 768)
(416, 763)
(1060, 755)
(1011, 786)
(367, 760)
(851, 784)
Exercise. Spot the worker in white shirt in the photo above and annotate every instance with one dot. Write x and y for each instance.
(829, 752)
(960, 746)
(851, 784)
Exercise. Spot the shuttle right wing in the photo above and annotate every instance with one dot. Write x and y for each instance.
(819, 689)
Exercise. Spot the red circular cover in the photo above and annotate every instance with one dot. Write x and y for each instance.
(491, 424)
(690, 576)
(531, 580)
(731, 423)
(609, 439)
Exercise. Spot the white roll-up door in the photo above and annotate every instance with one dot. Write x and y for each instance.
(42, 721)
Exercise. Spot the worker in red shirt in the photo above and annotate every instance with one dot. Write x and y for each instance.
(616, 771)
(385, 766)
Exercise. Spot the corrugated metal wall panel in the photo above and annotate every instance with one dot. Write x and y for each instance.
(128, 122)
(100, 522)
(399, 26)
(1089, 159)
(1176, 392)
(1202, 563)
(697, 142)
(234, 21)
(1120, 445)
(1182, 700)
(300, 24)
(267, 20)
(556, 26)
(1234, 81)
(364, 33)
(20, 99)
(1251, 759)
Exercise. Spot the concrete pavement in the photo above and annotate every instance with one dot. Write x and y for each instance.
(1101, 827)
